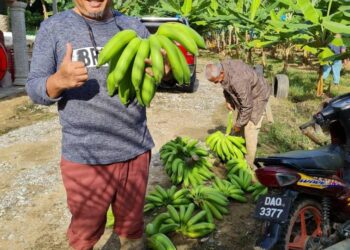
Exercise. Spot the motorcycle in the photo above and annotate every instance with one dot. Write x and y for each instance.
(308, 203)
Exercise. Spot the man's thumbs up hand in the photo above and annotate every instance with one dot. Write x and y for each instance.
(69, 53)
(71, 74)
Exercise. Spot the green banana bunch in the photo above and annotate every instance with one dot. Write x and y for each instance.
(138, 68)
(234, 165)
(229, 190)
(185, 162)
(178, 36)
(156, 58)
(242, 179)
(176, 63)
(163, 197)
(160, 241)
(184, 221)
(226, 146)
(211, 200)
(126, 53)
(188, 31)
(154, 226)
(258, 190)
(115, 45)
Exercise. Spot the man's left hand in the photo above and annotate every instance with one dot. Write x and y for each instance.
(236, 129)
(167, 67)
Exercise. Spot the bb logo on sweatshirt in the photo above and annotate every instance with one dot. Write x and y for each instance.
(87, 55)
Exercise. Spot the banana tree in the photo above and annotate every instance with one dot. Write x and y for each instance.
(283, 30)
(193, 10)
(136, 7)
(248, 19)
(320, 21)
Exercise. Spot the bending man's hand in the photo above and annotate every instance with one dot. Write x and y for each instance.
(70, 75)
(229, 106)
(236, 129)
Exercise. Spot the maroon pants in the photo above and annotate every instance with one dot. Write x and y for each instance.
(90, 191)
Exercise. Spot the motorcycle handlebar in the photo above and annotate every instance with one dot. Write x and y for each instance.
(308, 124)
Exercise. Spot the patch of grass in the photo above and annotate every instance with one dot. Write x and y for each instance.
(302, 85)
(281, 137)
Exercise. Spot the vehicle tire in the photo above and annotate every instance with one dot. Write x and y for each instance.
(304, 222)
(280, 85)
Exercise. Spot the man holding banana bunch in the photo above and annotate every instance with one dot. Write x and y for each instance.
(106, 146)
(246, 91)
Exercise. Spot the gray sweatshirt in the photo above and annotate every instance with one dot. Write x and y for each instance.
(96, 128)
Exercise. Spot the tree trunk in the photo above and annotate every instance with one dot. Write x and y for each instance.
(319, 91)
(54, 7)
(273, 52)
(263, 58)
(223, 41)
(305, 58)
(250, 56)
(46, 15)
(286, 59)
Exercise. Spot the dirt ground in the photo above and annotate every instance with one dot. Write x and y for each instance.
(33, 212)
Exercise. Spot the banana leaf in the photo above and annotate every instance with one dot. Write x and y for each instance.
(239, 6)
(325, 53)
(336, 27)
(214, 5)
(310, 49)
(344, 8)
(289, 3)
(253, 9)
(273, 16)
(337, 42)
(309, 11)
(342, 56)
(186, 7)
(261, 44)
(170, 6)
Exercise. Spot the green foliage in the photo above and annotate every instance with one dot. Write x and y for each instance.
(33, 20)
(284, 137)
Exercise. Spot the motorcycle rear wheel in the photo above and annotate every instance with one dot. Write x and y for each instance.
(304, 224)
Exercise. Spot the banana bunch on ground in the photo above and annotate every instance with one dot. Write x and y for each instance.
(163, 197)
(187, 223)
(241, 179)
(211, 200)
(126, 53)
(183, 220)
(185, 162)
(226, 146)
(160, 241)
(229, 190)
(258, 190)
(234, 165)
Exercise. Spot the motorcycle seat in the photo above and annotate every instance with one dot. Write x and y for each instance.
(323, 161)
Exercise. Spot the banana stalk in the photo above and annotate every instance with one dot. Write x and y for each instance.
(229, 123)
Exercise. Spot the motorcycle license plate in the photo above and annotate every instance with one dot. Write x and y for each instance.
(272, 208)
